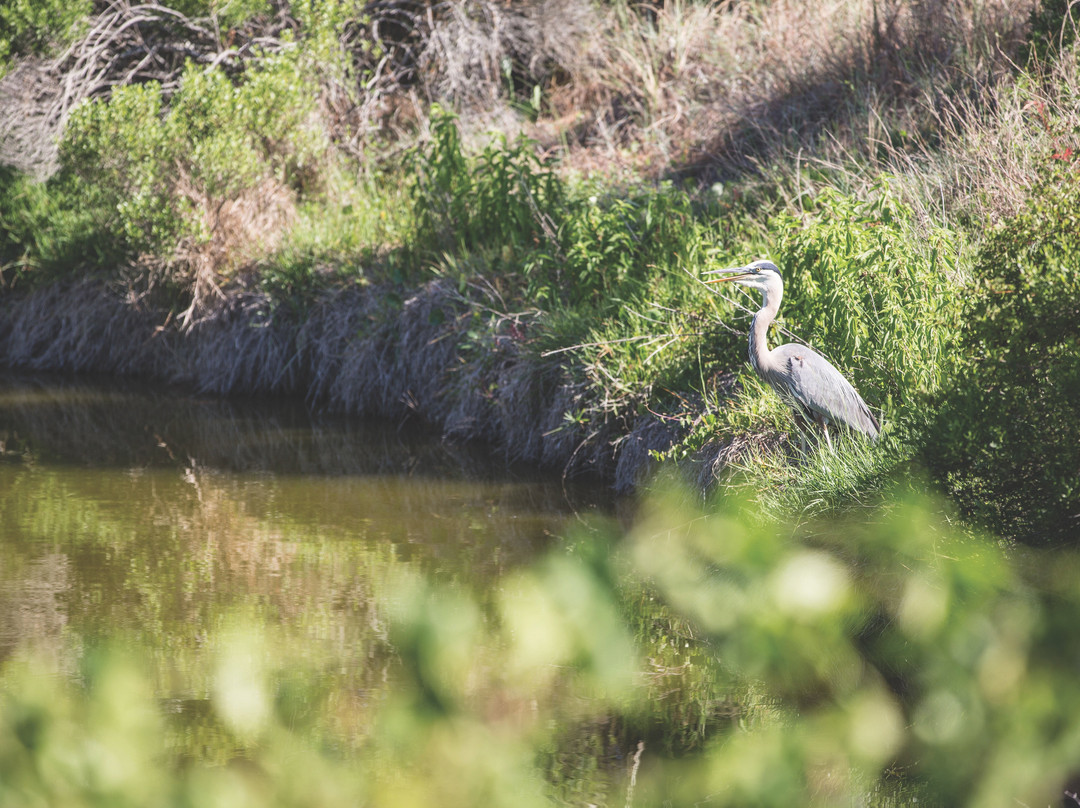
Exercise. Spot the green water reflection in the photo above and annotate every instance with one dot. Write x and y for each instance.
(156, 519)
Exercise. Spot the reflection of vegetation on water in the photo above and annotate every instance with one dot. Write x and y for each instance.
(167, 527)
(704, 656)
(128, 424)
(185, 632)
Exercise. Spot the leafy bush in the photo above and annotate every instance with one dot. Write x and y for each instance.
(32, 26)
(228, 13)
(46, 229)
(210, 176)
(1007, 440)
(865, 288)
(891, 643)
(572, 247)
(498, 198)
(629, 248)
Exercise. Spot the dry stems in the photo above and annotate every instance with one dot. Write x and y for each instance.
(723, 88)
(353, 354)
(126, 43)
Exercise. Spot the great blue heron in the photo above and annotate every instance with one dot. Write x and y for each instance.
(803, 378)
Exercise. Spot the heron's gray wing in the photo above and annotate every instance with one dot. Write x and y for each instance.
(813, 381)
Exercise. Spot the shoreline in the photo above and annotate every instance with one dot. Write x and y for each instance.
(350, 352)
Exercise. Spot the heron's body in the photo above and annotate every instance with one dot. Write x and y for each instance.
(803, 378)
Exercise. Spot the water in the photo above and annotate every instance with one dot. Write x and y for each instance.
(156, 520)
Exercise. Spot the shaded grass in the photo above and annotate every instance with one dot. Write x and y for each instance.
(50, 231)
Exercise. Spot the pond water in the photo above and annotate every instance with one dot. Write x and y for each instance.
(153, 519)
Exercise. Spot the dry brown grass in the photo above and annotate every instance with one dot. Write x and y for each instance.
(481, 57)
(722, 90)
(82, 327)
(991, 146)
(719, 89)
(239, 230)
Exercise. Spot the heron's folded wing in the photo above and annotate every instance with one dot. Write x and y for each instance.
(820, 387)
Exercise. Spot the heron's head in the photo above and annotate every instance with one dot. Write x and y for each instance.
(762, 275)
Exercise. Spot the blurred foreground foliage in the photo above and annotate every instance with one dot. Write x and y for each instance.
(831, 662)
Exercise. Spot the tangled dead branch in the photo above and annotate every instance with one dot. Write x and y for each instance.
(472, 55)
(125, 43)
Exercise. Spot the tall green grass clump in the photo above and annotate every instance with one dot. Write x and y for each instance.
(1007, 439)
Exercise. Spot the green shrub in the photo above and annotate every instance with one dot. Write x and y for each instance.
(863, 286)
(48, 228)
(894, 647)
(33, 26)
(120, 147)
(169, 174)
(570, 246)
(629, 248)
(229, 13)
(1007, 440)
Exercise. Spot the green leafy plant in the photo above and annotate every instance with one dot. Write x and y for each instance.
(227, 13)
(498, 198)
(208, 179)
(865, 287)
(1006, 440)
(34, 26)
(49, 228)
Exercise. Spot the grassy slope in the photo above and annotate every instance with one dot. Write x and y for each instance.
(496, 288)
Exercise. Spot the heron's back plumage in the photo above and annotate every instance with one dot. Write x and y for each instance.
(809, 380)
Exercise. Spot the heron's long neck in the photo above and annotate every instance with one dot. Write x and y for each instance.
(759, 333)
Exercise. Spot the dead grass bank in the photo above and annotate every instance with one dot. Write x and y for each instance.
(354, 352)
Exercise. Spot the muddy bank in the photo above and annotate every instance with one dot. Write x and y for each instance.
(439, 355)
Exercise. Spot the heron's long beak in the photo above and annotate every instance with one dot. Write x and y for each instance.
(733, 274)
